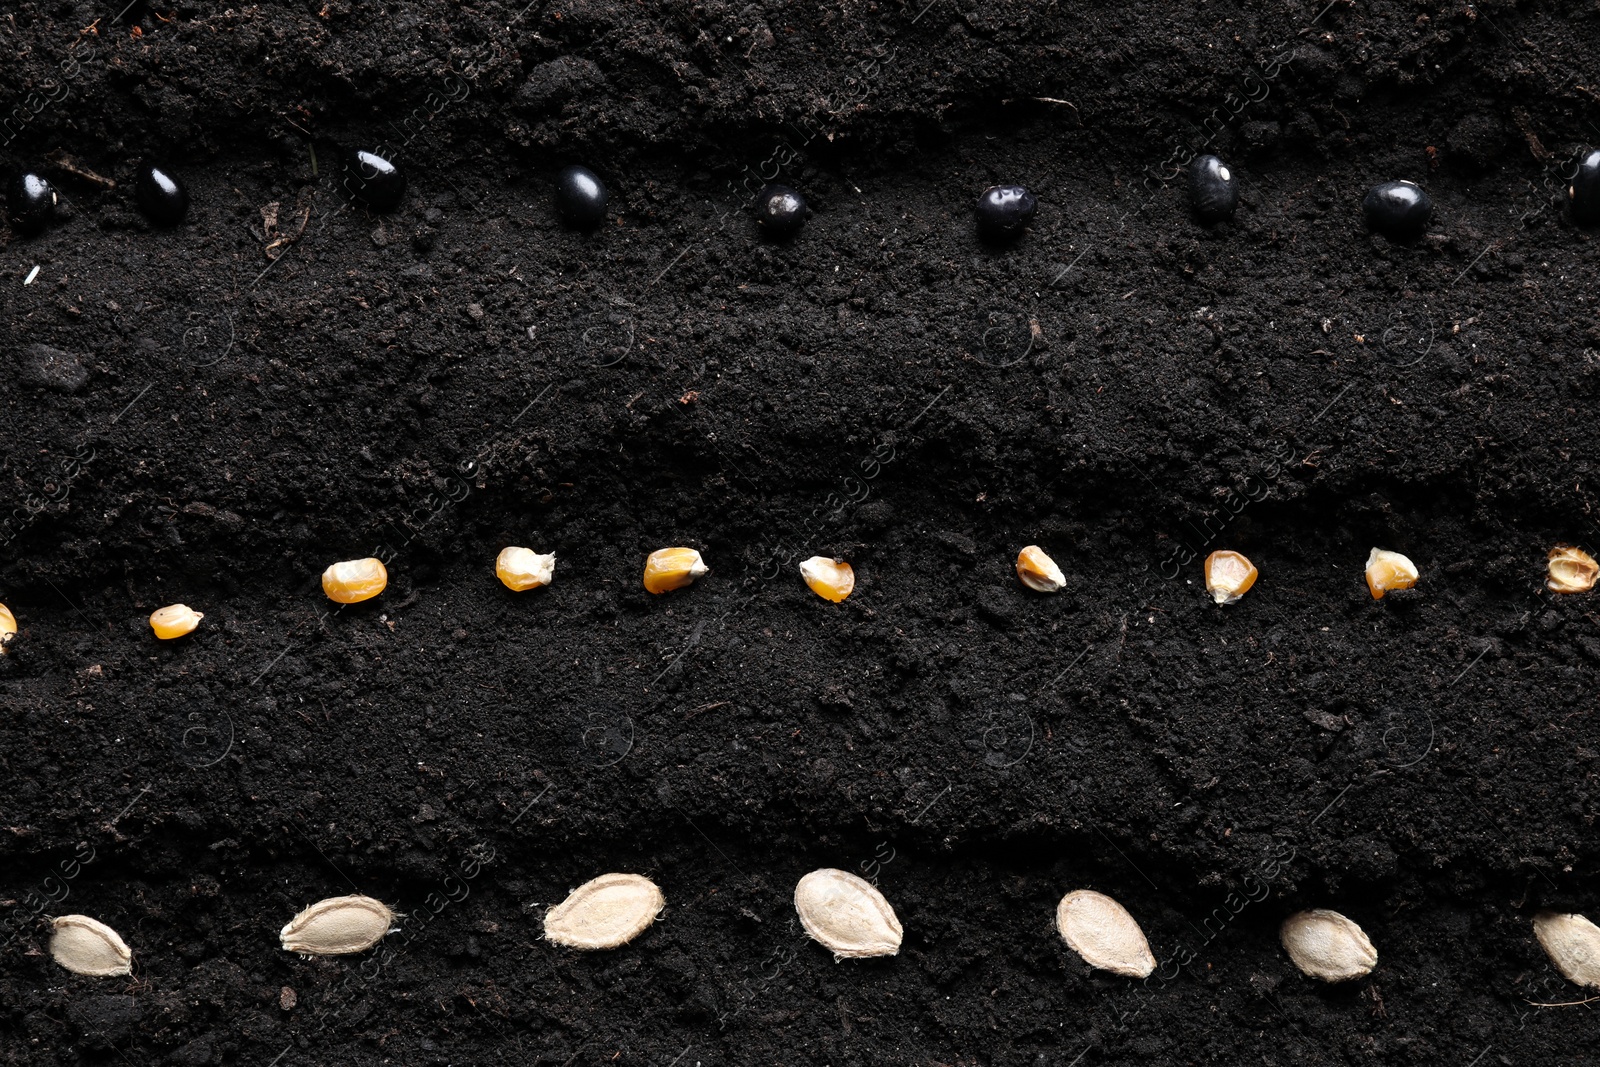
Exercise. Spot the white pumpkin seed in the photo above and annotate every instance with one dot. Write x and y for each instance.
(1326, 945)
(605, 912)
(1573, 944)
(88, 946)
(1104, 934)
(337, 926)
(847, 915)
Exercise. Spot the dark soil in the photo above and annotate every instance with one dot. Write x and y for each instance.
(1125, 387)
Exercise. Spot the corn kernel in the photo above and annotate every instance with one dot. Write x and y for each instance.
(353, 580)
(1572, 570)
(830, 579)
(1388, 571)
(672, 568)
(8, 627)
(174, 620)
(1038, 571)
(1229, 576)
(523, 568)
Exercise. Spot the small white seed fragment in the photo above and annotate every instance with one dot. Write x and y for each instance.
(1573, 944)
(1104, 934)
(847, 915)
(605, 912)
(337, 926)
(1326, 945)
(88, 946)
(8, 628)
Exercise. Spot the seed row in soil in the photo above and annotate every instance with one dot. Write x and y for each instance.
(844, 913)
(1229, 576)
(1400, 210)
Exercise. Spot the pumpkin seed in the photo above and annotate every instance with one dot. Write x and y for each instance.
(88, 946)
(605, 912)
(1104, 934)
(847, 915)
(337, 926)
(1326, 945)
(1573, 944)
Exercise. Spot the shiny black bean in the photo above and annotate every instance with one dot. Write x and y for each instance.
(1213, 188)
(1004, 211)
(1397, 209)
(1584, 192)
(580, 198)
(780, 211)
(161, 195)
(32, 203)
(373, 180)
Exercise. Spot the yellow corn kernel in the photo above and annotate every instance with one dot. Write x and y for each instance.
(523, 568)
(1388, 571)
(8, 627)
(353, 580)
(1038, 571)
(830, 579)
(174, 620)
(1229, 576)
(672, 568)
(1572, 570)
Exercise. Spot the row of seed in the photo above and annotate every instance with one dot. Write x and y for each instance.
(844, 913)
(1400, 209)
(1229, 576)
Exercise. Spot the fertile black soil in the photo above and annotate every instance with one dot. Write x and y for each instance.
(223, 408)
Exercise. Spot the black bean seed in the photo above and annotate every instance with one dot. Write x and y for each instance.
(32, 203)
(580, 198)
(1397, 209)
(161, 195)
(373, 180)
(780, 211)
(1584, 192)
(1213, 189)
(1004, 211)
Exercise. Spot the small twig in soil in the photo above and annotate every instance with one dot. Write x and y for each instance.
(707, 707)
(66, 163)
(1563, 1004)
(1535, 146)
